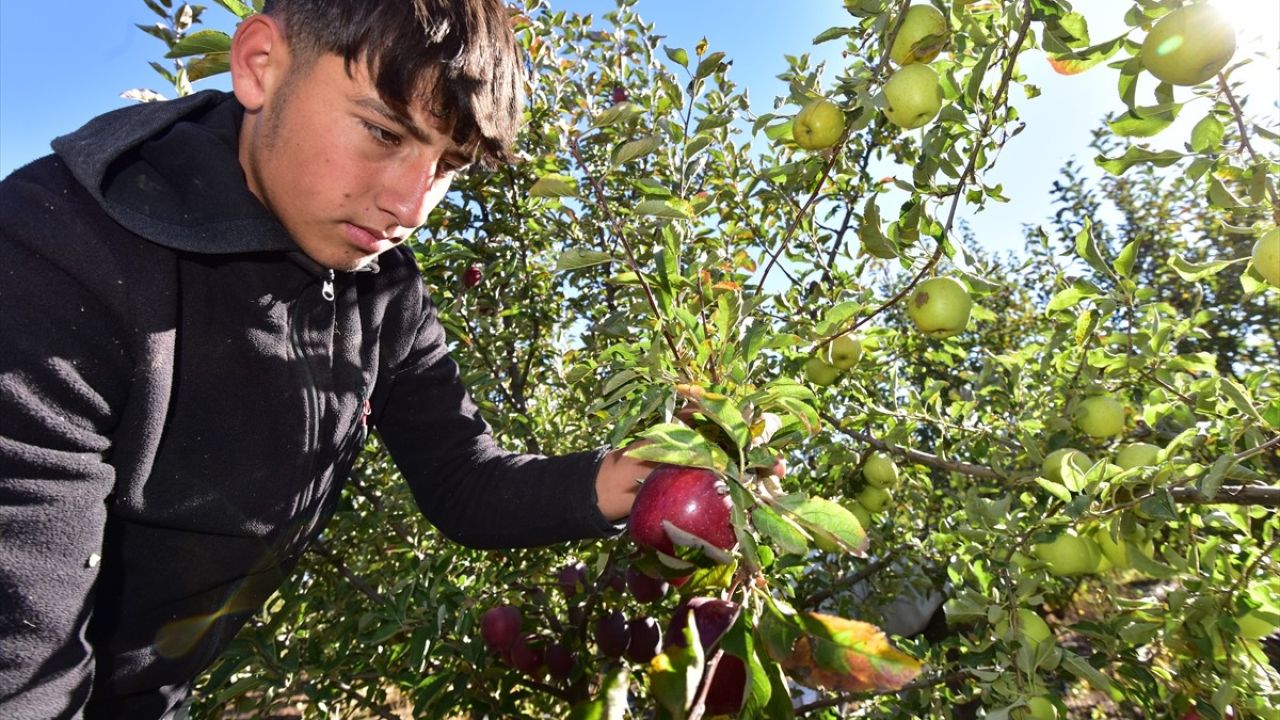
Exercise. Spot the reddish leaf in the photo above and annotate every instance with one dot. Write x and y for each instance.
(847, 656)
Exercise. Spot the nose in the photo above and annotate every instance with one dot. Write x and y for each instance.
(412, 189)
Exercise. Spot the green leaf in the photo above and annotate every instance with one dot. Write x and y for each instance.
(832, 33)
(1241, 399)
(1057, 490)
(1207, 135)
(709, 64)
(672, 208)
(201, 43)
(1145, 121)
(208, 66)
(620, 113)
(554, 185)
(725, 413)
(1128, 256)
(786, 536)
(1209, 483)
(579, 258)
(237, 8)
(678, 56)
(636, 149)
(1087, 248)
(827, 519)
(679, 444)
(1071, 296)
(1077, 62)
(1188, 270)
(652, 188)
(1080, 667)
(1135, 156)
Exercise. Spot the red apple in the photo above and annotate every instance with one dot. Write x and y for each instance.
(713, 617)
(646, 639)
(612, 635)
(500, 626)
(692, 500)
(559, 660)
(527, 655)
(619, 95)
(644, 588)
(472, 276)
(572, 579)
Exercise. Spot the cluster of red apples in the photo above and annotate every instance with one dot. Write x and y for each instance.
(676, 508)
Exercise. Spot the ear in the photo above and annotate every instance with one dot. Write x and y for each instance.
(259, 60)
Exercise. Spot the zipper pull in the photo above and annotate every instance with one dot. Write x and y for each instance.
(326, 290)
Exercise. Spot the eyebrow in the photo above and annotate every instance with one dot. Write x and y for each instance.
(454, 155)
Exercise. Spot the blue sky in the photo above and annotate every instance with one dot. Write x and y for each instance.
(64, 61)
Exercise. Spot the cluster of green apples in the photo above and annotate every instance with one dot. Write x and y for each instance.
(825, 367)
(881, 475)
(913, 94)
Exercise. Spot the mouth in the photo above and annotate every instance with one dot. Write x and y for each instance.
(369, 240)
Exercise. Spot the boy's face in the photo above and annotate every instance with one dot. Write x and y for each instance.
(347, 176)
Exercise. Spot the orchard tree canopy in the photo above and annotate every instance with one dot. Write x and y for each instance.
(1037, 485)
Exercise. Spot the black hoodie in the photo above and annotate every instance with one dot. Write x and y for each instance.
(182, 395)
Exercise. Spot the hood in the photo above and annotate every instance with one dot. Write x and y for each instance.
(170, 172)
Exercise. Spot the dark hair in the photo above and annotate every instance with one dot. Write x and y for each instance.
(461, 55)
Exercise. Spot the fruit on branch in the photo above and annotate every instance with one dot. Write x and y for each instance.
(472, 276)
(913, 96)
(860, 512)
(880, 470)
(843, 352)
(713, 617)
(818, 372)
(1032, 628)
(572, 579)
(645, 639)
(611, 634)
(940, 306)
(694, 501)
(1069, 555)
(874, 499)
(500, 627)
(1189, 45)
(560, 660)
(818, 125)
(1266, 256)
(1100, 416)
(1040, 708)
(644, 588)
(527, 655)
(1117, 551)
(1137, 454)
(619, 95)
(1051, 468)
(922, 36)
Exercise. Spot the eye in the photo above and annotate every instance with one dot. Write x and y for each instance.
(381, 135)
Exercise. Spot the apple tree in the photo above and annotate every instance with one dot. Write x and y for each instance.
(930, 481)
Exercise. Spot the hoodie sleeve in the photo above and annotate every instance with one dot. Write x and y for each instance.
(475, 492)
(63, 375)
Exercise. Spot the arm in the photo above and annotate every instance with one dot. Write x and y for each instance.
(475, 492)
(62, 376)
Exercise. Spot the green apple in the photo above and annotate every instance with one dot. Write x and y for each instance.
(1069, 555)
(1137, 454)
(1051, 468)
(921, 37)
(912, 96)
(1100, 416)
(874, 499)
(1189, 45)
(880, 470)
(1117, 551)
(1266, 256)
(820, 373)
(818, 125)
(939, 306)
(1040, 708)
(844, 352)
(863, 515)
(1032, 627)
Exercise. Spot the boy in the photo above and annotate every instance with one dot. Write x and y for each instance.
(206, 303)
